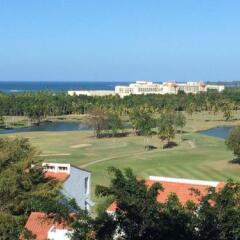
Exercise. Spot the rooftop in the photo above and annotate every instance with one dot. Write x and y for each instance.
(183, 188)
(58, 176)
(40, 223)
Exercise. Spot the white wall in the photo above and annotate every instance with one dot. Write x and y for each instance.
(58, 234)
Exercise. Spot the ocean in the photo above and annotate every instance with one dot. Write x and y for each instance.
(14, 87)
(11, 87)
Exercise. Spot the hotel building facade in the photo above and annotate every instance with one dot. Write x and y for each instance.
(145, 87)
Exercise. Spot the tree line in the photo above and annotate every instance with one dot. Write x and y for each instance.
(39, 105)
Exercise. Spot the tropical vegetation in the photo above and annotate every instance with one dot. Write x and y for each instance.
(233, 142)
(38, 106)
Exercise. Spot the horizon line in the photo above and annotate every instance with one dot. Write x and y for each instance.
(123, 81)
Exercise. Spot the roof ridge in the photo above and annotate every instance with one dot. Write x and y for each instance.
(185, 181)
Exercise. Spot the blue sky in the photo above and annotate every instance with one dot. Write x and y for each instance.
(119, 40)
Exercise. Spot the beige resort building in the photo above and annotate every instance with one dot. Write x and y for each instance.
(146, 87)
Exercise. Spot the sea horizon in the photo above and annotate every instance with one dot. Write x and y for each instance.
(58, 86)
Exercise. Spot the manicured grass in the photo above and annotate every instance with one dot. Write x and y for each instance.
(197, 157)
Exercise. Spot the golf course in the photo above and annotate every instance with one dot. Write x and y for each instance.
(196, 156)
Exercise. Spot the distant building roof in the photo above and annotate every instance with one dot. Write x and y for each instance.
(40, 224)
(181, 187)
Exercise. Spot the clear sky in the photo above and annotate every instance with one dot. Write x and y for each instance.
(119, 40)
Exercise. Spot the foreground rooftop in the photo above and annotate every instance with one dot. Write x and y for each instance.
(182, 187)
(43, 227)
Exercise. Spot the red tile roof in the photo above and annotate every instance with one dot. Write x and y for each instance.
(39, 224)
(182, 190)
(59, 176)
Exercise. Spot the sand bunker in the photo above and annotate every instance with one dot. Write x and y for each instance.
(80, 146)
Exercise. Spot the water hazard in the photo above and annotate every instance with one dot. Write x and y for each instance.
(49, 126)
(220, 132)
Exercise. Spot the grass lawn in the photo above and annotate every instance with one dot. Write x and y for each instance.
(197, 157)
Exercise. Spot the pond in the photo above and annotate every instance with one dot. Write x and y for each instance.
(220, 132)
(50, 126)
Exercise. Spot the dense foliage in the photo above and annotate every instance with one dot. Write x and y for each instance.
(42, 104)
(104, 123)
(233, 142)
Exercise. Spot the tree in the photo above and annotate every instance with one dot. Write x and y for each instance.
(2, 120)
(83, 226)
(180, 121)
(233, 141)
(139, 216)
(136, 120)
(28, 235)
(114, 123)
(98, 120)
(227, 108)
(218, 217)
(1, 117)
(143, 123)
(20, 185)
(10, 226)
(190, 108)
(166, 130)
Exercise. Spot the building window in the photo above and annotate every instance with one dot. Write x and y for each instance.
(86, 185)
(64, 169)
(49, 167)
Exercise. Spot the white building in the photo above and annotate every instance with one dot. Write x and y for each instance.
(92, 93)
(76, 182)
(144, 87)
(140, 87)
